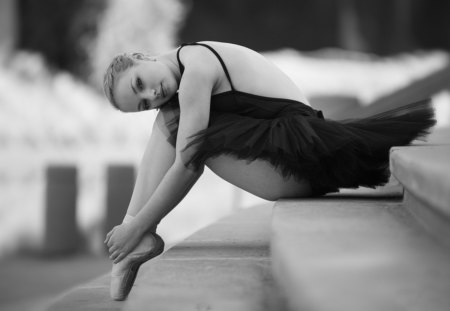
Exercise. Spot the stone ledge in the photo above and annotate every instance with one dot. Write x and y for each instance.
(424, 172)
(433, 221)
(203, 284)
(349, 254)
(225, 266)
(90, 296)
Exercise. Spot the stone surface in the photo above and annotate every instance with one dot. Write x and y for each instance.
(357, 254)
(225, 266)
(439, 136)
(425, 172)
(224, 283)
(430, 219)
(91, 296)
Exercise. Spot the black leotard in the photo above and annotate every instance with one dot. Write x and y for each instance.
(298, 141)
(243, 103)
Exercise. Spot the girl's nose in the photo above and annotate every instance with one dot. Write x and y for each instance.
(151, 94)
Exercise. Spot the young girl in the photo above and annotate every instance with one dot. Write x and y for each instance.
(227, 107)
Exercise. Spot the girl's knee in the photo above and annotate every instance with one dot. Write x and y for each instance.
(161, 122)
(270, 196)
(166, 122)
(286, 190)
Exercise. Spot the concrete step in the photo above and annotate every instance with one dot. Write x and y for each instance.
(424, 172)
(355, 253)
(225, 266)
(439, 136)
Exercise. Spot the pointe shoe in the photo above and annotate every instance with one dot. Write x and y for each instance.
(124, 273)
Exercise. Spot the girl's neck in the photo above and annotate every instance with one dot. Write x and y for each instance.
(171, 61)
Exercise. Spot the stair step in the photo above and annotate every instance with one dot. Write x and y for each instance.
(192, 283)
(424, 172)
(356, 254)
(225, 266)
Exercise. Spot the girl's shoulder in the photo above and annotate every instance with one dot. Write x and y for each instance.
(217, 49)
(194, 57)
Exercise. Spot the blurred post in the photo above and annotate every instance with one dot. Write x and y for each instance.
(349, 30)
(401, 35)
(8, 26)
(61, 233)
(120, 186)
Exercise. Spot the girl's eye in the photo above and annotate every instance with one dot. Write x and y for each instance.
(139, 84)
(146, 105)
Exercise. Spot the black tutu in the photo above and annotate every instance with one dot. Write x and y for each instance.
(298, 141)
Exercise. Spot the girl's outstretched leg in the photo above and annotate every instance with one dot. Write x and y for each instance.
(158, 157)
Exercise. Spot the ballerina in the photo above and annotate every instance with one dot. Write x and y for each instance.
(227, 107)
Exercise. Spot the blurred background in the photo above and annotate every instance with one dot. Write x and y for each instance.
(68, 160)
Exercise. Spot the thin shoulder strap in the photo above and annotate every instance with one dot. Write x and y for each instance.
(212, 50)
(180, 65)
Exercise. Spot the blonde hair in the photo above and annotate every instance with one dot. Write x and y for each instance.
(119, 64)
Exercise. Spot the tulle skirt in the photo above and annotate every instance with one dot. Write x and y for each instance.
(329, 154)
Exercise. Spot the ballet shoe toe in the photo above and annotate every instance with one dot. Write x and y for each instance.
(124, 273)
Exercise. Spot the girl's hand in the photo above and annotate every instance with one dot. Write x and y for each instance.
(121, 240)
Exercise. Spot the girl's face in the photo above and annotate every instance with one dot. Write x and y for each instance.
(146, 85)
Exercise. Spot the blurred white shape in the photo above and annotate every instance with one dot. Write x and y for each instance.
(147, 26)
(366, 77)
(441, 103)
(21, 208)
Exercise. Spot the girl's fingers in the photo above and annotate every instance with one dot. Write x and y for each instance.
(112, 249)
(114, 255)
(109, 234)
(109, 243)
(119, 258)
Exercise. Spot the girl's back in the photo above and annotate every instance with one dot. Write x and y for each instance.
(252, 73)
